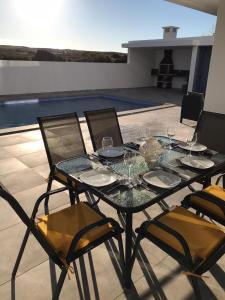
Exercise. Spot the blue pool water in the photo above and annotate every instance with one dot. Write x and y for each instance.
(25, 112)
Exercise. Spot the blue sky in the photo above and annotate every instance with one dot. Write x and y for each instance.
(95, 24)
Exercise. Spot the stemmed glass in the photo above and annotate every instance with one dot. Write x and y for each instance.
(170, 133)
(191, 141)
(107, 142)
(129, 159)
(143, 134)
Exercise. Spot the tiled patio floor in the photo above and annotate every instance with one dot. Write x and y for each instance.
(24, 169)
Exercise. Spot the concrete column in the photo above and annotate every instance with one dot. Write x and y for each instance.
(215, 93)
(192, 68)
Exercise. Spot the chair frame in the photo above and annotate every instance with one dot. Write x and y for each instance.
(208, 198)
(72, 254)
(208, 113)
(112, 109)
(192, 115)
(52, 176)
(185, 260)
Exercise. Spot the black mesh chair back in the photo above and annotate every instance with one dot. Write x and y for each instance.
(62, 137)
(102, 123)
(210, 130)
(192, 106)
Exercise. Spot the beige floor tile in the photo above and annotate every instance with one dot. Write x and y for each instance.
(5, 154)
(36, 285)
(42, 170)
(34, 159)
(33, 135)
(21, 180)
(25, 148)
(12, 139)
(11, 240)
(10, 165)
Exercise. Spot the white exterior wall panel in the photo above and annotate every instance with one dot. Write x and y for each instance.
(215, 93)
(24, 77)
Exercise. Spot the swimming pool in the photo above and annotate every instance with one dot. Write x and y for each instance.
(25, 112)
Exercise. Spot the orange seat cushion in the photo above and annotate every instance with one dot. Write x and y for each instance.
(212, 208)
(201, 236)
(60, 228)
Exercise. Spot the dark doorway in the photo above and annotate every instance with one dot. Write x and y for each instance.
(202, 69)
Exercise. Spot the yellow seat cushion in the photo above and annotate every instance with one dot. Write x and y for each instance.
(60, 228)
(212, 208)
(201, 236)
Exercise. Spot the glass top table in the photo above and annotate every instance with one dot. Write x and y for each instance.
(136, 197)
(140, 195)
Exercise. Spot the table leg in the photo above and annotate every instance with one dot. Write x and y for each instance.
(71, 192)
(128, 249)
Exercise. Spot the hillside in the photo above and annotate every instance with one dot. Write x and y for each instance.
(48, 54)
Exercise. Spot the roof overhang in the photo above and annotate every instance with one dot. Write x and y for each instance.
(179, 42)
(208, 6)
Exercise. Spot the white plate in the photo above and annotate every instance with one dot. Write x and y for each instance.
(197, 162)
(98, 178)
(162, 179)
(111, 152)
(195, 148)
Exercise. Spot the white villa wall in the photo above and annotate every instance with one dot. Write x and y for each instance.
(215, 93)
(23, 77)
(144, 59)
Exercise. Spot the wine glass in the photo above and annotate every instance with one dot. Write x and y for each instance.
(191, 141)
(144, 134)
(107, 142)
(170, 133)
(129, 158)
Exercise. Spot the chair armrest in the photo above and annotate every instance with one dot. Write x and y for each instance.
(172, 232)
(88, 228)
(42, 197)
(206, 197)
(219, 178)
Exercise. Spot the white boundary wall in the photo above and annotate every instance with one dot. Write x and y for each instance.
(215, 93)
(23, 77)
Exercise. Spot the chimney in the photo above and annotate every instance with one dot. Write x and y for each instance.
(170, 32)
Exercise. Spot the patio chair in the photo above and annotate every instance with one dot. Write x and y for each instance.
(62, 139)
(192, 241)
(192, 106)
(209, 132)
(210, 202)
(209, 129)
(64, 235)
(103, 123)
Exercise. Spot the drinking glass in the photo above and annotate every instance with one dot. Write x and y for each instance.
(144, 134)
(107, 142)
(170, 133)
(129, 160)
(191, 141)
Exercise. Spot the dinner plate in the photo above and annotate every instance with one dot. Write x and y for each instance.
(162, 179)
(111, 152)
(195, 148)
(197, 162)
(98, 178)
(76, 164)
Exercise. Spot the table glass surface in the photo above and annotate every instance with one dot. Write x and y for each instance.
(140, 194)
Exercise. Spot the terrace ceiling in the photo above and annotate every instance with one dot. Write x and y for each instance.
(208, 6)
